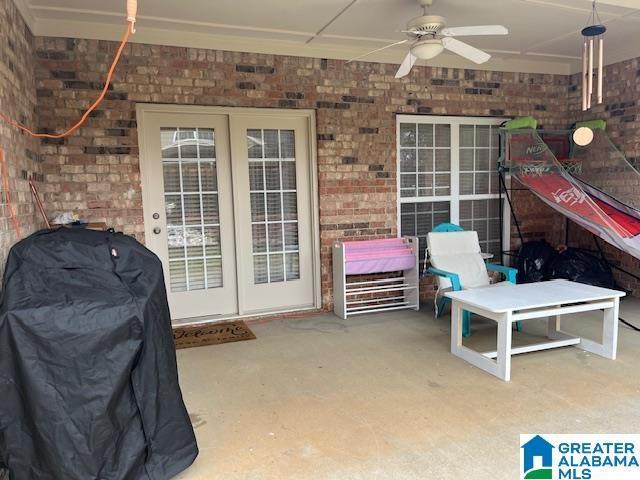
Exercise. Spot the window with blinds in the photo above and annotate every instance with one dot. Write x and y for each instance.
(191, 205)
(425, 160)
(447, 173)
(274, 213)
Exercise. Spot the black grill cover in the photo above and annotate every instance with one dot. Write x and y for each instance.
(88, 379)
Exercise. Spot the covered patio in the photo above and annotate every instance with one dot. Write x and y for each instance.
(313, 177)
(379, 396)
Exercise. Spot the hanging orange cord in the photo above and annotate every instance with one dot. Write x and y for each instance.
(7, 194)
(95, 104)
(132, 10)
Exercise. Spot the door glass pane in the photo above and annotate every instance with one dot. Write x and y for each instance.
(191, 208)
(274, 205)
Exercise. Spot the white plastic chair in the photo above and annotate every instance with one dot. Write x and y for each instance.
(457, 262)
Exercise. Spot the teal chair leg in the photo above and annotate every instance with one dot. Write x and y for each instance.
(441, 304)
(518, 326)
(466, 323)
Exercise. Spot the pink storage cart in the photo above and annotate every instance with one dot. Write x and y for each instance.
(367, 257)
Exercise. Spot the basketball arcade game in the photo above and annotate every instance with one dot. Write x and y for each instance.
(592, 185)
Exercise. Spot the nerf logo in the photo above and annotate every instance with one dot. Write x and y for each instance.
(536, 149)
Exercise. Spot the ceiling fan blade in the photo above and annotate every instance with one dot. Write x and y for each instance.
(465, 50)
(406, 65)
(377, 50)
(477, 30)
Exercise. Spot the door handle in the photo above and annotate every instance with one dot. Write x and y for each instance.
(157, 230)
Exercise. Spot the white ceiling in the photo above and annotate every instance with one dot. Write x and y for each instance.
(544, 34)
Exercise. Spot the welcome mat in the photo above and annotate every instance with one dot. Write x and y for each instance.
(212, 334)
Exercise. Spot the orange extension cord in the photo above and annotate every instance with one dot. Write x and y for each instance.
(7, 196)
(131, 19)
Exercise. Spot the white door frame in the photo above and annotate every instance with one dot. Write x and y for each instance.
(146, 163)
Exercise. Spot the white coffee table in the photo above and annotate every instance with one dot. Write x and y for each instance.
(507, 303)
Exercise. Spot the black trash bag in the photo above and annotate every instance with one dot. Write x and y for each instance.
(581, 266)
(88, 377)
(533, 260)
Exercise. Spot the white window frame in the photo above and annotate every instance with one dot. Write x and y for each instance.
(454, 197)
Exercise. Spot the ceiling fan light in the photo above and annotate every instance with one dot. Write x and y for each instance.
(427, 49)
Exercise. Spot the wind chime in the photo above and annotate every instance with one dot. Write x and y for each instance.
(592, 33)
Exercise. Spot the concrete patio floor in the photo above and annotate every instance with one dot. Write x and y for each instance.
(381, 397)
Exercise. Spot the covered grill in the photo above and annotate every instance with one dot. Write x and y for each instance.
(88, 378)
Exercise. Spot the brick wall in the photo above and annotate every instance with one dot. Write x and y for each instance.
(621, 110)
(17, 100)
(96, 172)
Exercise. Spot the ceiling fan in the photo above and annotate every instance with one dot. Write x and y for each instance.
(429, 36)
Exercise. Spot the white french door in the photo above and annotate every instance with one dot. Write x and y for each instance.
(188, 197)
(274, 226)
(228, 199)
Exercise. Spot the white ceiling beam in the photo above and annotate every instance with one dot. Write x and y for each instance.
(328, 24)
(507, 62)
(616, 3)
(577, 32)
(46, 20)
(587, 5)
(112, 18)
